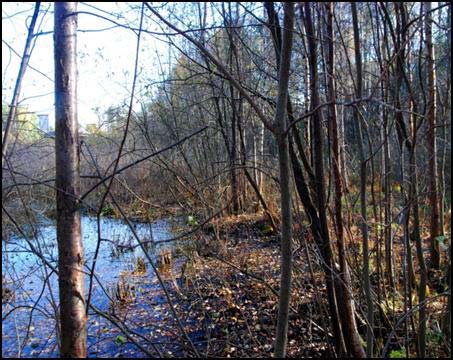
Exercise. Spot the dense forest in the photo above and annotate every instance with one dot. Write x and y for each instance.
(281, 187)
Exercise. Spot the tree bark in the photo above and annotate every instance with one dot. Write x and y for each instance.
(421, 336)
(432, 144)
(319, 183)
(363, 179)
(346, 302)
(70, 249)
(285, 184)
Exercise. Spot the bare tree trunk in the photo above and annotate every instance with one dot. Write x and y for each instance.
(432, 146)
(23, 66)
(70, 249)
(447, 318)
(342, 139)
(387, 188)
(346, 302)
(421, 336)
(234, 180)
(363, 179)
(410, 262)
(227, 16)
(261, 157)
(285, 183)
(302, 189)
(318, 155)
(444, 139)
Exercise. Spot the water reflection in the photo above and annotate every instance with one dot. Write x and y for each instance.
(32, 307)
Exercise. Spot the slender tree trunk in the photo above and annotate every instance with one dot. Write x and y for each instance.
(363, 179)
(410, 263)
(421, 336)
(413, 199)
(350, 332)
(285, 188)
(342, 139)
(261, 158)
(23, 66)
(318, 155)
(388, 243)
(447, 319)
(387, 205)
(233, 174)
(304, 194)
(432, 146)
(70, 249)
(445, 125)
(234, 117)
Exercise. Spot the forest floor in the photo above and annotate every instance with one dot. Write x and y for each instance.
(231, 293)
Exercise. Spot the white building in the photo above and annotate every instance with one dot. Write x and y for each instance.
(43, 122)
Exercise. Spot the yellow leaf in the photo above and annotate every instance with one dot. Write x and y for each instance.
(396, 187)
(227, 290)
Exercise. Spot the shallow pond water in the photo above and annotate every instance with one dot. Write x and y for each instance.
(24, 274)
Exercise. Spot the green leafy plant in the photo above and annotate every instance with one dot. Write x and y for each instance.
(192, 221)
(398, 354)
(120, 340)
(433, 337)
(107, 210)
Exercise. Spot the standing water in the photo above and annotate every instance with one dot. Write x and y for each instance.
(29, 309)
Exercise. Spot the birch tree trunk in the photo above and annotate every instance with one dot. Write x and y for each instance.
(70, 248)
(432, 146)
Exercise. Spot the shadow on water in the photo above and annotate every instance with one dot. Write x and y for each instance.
(28, 308)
